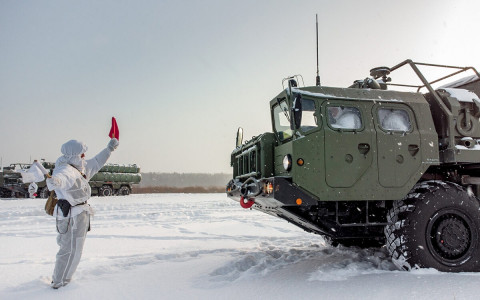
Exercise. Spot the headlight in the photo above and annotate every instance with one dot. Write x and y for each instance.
(287, 162)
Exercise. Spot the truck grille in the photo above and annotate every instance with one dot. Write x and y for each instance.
(254, 158)
(246, 163)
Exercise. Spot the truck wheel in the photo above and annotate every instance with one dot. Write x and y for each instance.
(4, 193)
(44, 193)
(105, 190)
(437, 225)
(124, 191)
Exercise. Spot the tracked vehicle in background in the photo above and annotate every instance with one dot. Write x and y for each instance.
(369, 166)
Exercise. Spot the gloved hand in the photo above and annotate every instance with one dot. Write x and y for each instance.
(113, 144)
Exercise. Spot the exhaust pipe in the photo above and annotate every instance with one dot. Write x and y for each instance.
(468, 142)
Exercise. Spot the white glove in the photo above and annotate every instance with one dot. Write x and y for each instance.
(113, 144)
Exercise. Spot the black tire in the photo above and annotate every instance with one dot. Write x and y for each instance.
(436, 226)
(4, 193)
(124, 191)
(105, 191)
(44, 193)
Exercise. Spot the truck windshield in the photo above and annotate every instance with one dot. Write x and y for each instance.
(282, 123)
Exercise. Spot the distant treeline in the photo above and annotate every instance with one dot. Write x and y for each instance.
(188, 189)
(182, 183)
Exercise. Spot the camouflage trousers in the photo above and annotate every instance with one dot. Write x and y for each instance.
(71, 240)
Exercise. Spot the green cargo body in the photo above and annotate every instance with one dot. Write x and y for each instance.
(117, 177)
(118, 168)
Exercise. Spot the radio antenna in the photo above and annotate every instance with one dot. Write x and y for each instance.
(318, 76)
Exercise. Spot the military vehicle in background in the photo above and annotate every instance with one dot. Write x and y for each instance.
(112, 179)
(115, 179)
(11, 184)
(368, 166)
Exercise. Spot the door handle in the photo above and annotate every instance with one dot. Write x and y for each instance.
(363, 148)
(413, 149)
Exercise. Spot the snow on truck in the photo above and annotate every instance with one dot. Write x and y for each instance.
(112, 179)
(369, 166)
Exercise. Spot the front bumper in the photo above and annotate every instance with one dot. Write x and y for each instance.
(280, 199)
(290, 202)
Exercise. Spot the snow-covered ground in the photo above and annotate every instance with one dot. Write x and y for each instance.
(201, 246)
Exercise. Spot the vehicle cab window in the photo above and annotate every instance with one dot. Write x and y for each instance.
(309, 117)
(394, 120)
(282, 121)
(344, 117)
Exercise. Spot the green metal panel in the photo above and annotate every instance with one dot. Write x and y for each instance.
(279, 153)
(310, 176)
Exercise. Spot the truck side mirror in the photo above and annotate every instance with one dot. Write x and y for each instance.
(296, 116)
(239, 136)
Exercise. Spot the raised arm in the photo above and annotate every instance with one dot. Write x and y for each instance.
(94, 164)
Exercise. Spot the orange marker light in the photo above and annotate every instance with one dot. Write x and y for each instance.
(268, 188)
(299, 201)
(300, 162)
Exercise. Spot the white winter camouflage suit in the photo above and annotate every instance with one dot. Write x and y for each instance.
(70, 185)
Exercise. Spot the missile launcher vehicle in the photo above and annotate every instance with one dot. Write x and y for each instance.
(115, 179)
(369, 166)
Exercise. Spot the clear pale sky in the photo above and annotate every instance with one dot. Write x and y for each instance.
(182, 76)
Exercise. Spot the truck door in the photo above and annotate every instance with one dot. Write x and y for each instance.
(398, 143)
(348, 142)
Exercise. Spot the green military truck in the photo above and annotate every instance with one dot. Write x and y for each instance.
(369, 166)
(115, 179)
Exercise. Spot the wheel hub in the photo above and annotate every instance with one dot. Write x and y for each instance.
(451, 237)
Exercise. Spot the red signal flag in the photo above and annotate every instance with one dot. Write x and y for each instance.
(114, 133)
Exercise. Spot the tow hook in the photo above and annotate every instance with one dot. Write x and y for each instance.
(247, 204)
